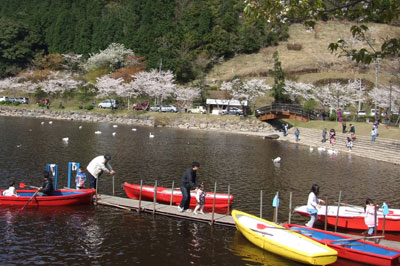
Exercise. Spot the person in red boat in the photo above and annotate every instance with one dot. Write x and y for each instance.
(11, 190)
(189, 181)
(47, 188)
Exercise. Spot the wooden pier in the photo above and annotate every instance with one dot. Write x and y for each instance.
(164, 209)
(172, 211)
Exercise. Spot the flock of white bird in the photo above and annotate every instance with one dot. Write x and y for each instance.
(98, 132)
(277, 160)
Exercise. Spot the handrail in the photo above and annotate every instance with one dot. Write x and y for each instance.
(292, 108)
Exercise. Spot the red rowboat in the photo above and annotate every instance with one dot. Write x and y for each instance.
(60, 197)
(351, 248)
(222, 201)
(352, 217)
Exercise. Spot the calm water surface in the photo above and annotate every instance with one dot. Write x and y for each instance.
(100, 235)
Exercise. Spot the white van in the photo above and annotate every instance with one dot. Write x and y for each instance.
(109, 103)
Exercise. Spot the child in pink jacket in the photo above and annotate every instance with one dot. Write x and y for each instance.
(370, 216)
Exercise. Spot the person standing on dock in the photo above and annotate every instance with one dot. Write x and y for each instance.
(313, 205)
(189, 181)
(97, 166)
(370, 217)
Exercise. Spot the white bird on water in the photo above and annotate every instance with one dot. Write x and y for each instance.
(114, 133)
(151, 135)
(97, 132)
(311, 149)
(50, 122)
(133, 129)
(115, 125)
(321, 149)
(42, 123)
(65, 140)
(80, 127)
(276, 160)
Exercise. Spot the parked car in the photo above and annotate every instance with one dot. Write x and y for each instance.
(23, 100)
(362, 113)
(109, 103)
(155, 108)
(346, 112)
(140, 106)
(373, 112)
(168, 108)
(3, 98)
(232, 111)
(12, 99)
(197, 110)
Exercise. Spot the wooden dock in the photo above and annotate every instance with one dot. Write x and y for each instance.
(172, 211)
(165, 210)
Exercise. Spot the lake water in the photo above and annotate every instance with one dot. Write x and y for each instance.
(101, 235)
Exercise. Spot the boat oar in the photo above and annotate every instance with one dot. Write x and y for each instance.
(357, 238)
(22, 185)
(34, 194)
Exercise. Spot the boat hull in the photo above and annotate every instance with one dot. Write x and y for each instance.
(62, 197)
(353, 217)
(351, 248)
(275, 239)
(222, 201)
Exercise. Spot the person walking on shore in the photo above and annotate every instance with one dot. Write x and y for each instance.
(97, 166)
(373, 134)
(344, 126)
(324, 135)
(189, 181)
(297, 134)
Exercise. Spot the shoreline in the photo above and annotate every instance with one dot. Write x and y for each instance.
(235, 125)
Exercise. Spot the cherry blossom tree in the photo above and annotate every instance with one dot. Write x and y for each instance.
(336, 95)
(247, 90)
(113, 57)
(187, 95)
(386, 97)
(299, 90)
(156, 85)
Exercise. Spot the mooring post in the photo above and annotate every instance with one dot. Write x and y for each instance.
(113, 184)
(275, 204)
(213, 208)
(140, 196)
(338, 207)
(326, 214)
(155, 198)
(229, 198)
(172, 193)
(261, 194)
(290, 208)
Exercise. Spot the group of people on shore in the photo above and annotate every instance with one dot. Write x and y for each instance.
(313, 204)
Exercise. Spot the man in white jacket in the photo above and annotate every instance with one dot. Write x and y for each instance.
(97, 166)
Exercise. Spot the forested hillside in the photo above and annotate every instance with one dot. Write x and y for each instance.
(184, 36)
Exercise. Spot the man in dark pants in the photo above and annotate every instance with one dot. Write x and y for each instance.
(189, 181)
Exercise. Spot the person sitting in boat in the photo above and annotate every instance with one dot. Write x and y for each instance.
(200, 199)
(313, 205)
(370, 217)
(97, 166)
(189, 181)
(80, 179)
(47, 188)
(11, 190)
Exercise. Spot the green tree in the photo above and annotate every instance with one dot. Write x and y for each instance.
(18, 45)
(279, 81)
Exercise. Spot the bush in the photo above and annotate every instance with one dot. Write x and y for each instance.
(89, 107)
(80, 107)
(41, 104)
(16, 103)
(333, 117)
(310, 105)
(294, 46)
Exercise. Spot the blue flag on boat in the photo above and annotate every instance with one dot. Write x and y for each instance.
(385, 209)
(275, 202)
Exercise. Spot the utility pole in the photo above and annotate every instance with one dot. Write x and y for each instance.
(377, 61)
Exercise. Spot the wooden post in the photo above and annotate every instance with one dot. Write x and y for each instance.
(172, 193)
(140, 196)
(337, 213)
(261, 203)
(375, 218)
(326, 214)
(113, 185)
(97, 187)
(229, 198)
(213, 208)
(155, 198)
(290, 208)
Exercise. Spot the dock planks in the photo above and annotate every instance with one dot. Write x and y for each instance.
(163, 209)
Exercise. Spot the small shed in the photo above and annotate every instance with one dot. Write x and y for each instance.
(214, 106)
